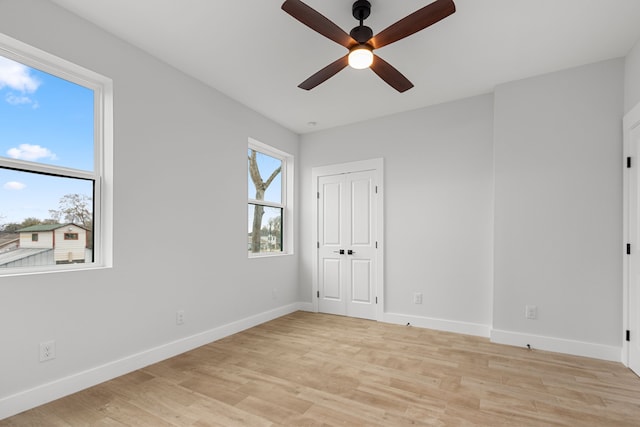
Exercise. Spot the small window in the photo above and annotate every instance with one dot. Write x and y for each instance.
(55, 155)
(269, 194)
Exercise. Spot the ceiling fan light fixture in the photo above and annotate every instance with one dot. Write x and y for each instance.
(360, 57)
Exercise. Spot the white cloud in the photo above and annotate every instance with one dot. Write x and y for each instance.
(14, 185)
(17, 76)
(30, 152)
(14, 99)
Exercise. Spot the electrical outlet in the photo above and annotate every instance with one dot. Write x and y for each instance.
(417, 298)
(179, 317)
(47, 351)
(531, 312)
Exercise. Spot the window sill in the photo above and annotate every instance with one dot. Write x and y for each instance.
(269, 255)
(61, 269)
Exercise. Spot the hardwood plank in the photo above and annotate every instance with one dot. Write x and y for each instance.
(313, 370)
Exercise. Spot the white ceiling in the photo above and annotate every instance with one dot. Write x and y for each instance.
(257, 54)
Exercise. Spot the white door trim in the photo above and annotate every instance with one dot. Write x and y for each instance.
(630, 122)
(376, 165)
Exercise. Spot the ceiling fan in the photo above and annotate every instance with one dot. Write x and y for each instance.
(361, 42)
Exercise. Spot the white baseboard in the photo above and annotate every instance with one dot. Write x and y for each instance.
(438, 324)
(557, 345)
(306, 306)
(44, 393)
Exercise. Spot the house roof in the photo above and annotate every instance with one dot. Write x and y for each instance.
(46, 227)
(18, 254)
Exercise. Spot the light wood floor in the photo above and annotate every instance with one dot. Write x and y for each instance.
(309, 369)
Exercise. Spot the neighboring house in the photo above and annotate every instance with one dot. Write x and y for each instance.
(46, 244)
(68, 241)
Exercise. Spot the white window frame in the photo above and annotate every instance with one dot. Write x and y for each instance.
(287, 197)
(102, 175)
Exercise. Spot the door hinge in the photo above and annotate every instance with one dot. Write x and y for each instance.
(628, 337)
(628, 248)
(318, 294)
(318, 194)
(628, 162)
(318, 245)
(376, 300)
(376, 189)
(376, 244)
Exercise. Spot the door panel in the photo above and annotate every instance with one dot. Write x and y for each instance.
(361, 281)
(363, 284)
(332, 283)
(331, 213)
(361, 211)
(331, 271)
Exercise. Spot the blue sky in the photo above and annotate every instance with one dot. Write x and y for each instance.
(43, 119)
(266, 165)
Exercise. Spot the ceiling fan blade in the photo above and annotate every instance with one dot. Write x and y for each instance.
(418, 20)
(318, 22)
(325, 74)
(393, 77)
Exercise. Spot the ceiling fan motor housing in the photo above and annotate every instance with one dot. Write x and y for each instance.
(361, 34)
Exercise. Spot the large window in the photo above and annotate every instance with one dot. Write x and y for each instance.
(55, 161)
(269, 194)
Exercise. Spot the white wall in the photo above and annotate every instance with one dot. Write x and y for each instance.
(558, 210)
(180, 168)
(438, 208)
(632, 78)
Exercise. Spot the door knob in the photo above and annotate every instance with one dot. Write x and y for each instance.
(350, 252)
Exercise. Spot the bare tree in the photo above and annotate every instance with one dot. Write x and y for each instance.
(74, 208)
(261, 186)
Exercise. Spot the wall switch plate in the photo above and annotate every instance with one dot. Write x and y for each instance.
(531, 312)
(417, 298)
(47, 351)
(179, 317)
